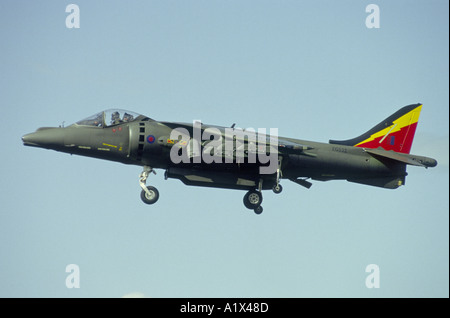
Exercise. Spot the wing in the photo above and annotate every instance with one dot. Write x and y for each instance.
(290, 147)
(237, 144)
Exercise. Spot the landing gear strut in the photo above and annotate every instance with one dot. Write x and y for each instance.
(253, 198)
(277, 188)
(149, 194)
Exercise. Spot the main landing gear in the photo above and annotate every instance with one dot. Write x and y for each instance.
(253, 198)
(149, 194)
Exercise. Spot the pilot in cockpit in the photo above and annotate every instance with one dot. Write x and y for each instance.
(115, 118)
(127, 117)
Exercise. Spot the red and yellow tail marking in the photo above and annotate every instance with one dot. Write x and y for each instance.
(398, 137)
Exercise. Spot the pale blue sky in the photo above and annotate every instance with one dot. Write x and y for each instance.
(312, 69)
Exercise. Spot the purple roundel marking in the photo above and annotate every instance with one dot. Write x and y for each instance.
(150, 139)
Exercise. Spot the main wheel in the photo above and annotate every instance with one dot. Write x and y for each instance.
(258, 210)
(252, 199)
(150, 198)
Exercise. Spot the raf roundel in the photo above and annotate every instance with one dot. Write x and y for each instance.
(151, 139)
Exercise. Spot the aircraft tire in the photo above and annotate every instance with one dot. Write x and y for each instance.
(277, 188)
(258, 210)
(253, 199)
(150, 199)
(247, 204)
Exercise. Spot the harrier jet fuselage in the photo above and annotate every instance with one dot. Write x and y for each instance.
(233, 158)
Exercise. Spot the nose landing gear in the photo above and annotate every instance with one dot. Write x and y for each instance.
(149, 194)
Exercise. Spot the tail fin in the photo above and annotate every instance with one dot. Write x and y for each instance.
(394, 133)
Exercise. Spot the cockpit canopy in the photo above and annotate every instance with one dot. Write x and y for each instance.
(110, 117)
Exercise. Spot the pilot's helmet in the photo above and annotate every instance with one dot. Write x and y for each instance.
(127, 117)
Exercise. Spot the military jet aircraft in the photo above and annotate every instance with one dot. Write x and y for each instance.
(233, 158)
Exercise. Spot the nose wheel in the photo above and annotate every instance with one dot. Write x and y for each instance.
(149, 194)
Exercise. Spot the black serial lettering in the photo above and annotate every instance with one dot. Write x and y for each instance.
(339, 149)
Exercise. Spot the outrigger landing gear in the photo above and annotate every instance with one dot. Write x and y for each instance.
(149, 194)
(277, 188)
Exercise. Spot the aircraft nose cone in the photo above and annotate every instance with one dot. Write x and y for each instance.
(50, 138)
(28, 139)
